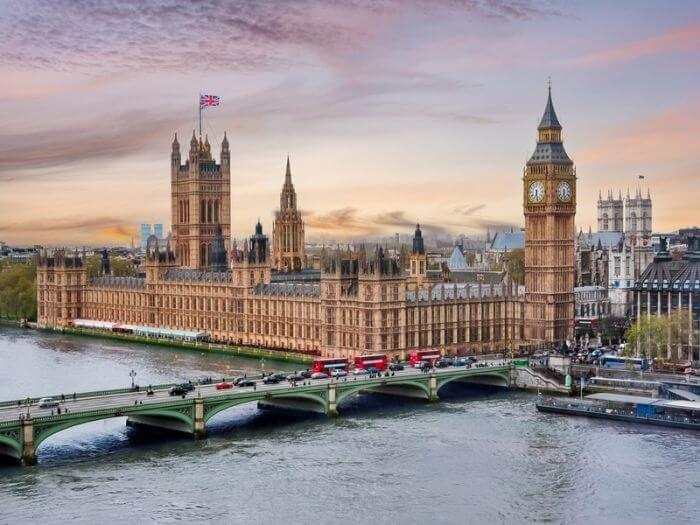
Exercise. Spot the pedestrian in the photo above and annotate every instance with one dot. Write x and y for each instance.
(140, 402)
(74, 396)
(63, 397)
(59, 410)
(255, 387)
(52, 411)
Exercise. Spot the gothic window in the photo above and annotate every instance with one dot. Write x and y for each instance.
(209, 211)
(605, 222)
(216, 211)
(633, 221)
(203, 254)
(203, 211)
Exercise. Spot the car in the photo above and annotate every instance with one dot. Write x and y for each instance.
(246, 382)
(443, 363)
(238, 379)
(281, 376)
(460, 361)
(395, 367)
(359, 371)
(472, 359)
(319, 375)
(47, 402)
(271, 380)
(189, 387)
(177, 390)
(339, 373)
(372, 370)
(295, 377)
(305, 374)
(224, 385)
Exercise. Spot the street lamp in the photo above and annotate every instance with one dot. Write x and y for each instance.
(132, 375)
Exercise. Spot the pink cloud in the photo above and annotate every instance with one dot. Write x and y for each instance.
(681, 39)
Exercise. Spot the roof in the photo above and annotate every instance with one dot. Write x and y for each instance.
(472, 276)
(549, 118)
(457, 260)
(505, 241)
(623, 398)
(549, 152)
(302, 275)
(119, 282)
(186, 274)
(289, 288)
(607, 239)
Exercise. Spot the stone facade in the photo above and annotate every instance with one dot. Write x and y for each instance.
(288, 230)
(200, 201)
(359, 301)
(549, 200)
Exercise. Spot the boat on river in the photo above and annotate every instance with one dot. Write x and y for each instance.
(628, 408)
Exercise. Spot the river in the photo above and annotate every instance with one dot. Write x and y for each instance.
(477, 456)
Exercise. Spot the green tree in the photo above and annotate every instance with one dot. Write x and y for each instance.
(516, 265)
(660, 337)
(18, 291)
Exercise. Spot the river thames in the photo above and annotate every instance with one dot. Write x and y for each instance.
(477, 456)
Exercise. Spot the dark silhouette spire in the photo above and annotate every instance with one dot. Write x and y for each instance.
(288, 173)
(418, 245)
(549, 119)
(218, 251)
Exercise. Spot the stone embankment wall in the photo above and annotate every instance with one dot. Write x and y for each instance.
(524, 377)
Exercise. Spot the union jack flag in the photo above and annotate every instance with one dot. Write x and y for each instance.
(208, 100)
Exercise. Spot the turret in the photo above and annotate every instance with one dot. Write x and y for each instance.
(175, 157)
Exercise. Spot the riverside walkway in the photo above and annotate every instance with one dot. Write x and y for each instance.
(23, 427)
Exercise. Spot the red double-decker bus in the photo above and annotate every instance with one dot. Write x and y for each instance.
(378, 361)
(418, 356)
(328, 365)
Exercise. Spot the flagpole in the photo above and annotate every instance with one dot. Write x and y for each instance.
(200, 114)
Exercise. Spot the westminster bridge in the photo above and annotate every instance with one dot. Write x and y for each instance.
(24, 425)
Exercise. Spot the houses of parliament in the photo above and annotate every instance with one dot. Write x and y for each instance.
(263, 293)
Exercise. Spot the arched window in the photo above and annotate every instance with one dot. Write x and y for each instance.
(605, 222)
(216, 211)
(203, 255)
(208, 211)
(633, 221)
(203, 211)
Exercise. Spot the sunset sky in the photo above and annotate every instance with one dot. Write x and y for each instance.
(391, 110)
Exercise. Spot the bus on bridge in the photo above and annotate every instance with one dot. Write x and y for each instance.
(418, 356)
(329, 364)
(378, 361)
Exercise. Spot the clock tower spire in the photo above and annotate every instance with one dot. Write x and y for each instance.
(549, 202)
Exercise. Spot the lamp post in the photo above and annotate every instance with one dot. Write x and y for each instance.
(132, 375)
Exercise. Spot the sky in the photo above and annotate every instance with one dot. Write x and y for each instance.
(391, 111)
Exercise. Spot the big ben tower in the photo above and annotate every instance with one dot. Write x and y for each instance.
(549, 202)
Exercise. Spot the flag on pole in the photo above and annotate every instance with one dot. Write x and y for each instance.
(208, 100)
(641, 177)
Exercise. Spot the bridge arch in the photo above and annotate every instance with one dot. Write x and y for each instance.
(344, 392)
(215, 407)
(500, 378)
(43, 431)
(10, 446)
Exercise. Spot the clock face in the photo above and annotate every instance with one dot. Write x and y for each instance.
(536, 191)
(564, 191)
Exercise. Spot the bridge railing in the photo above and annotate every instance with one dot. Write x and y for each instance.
(97, 393)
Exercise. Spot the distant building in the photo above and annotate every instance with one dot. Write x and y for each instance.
(668, 285)
(158, 230)
(145, 234)
(288, 230)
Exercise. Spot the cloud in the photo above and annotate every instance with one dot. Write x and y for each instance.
(668, 136)
(109, 227)
(208, 34)
(685, 38)
(106, 137)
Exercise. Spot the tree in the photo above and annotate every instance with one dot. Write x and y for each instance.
(18, 291)
(660, 337)
(516, 265)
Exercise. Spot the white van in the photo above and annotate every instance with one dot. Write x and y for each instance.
(47, 402)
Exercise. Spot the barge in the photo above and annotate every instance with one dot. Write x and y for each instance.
(632, 409)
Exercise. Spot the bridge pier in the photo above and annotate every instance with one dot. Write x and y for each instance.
(200, 429)
(332, 410)
(28, 448)
(432, 383)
